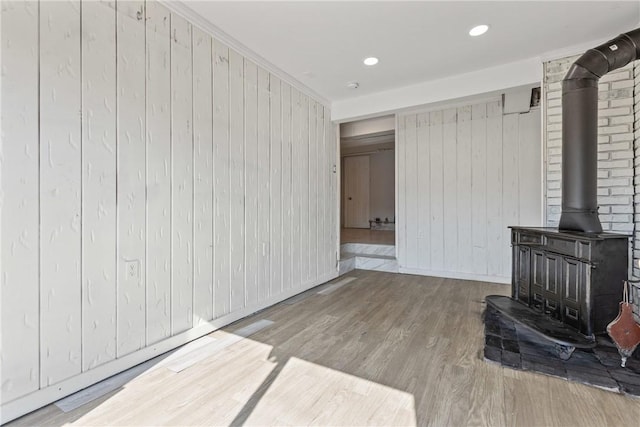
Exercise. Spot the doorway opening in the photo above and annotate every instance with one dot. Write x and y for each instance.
(367, 193)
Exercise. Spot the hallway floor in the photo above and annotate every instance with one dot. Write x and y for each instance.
(365, 235)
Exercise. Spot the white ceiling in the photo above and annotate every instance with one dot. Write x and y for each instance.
(322, 43)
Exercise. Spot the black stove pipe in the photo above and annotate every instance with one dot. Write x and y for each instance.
(580, 129)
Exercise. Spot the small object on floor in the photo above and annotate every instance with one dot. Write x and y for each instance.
(623, 330)
(334, 286)
(564, 351)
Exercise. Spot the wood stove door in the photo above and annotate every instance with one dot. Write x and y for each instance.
(574, 274)
(538, 279)
(552, 292)
(521, 274)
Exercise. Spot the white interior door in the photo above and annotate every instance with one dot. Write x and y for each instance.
(356, 192)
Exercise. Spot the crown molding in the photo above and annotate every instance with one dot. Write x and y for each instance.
(180, 8)
(577, 49)
(431, 95)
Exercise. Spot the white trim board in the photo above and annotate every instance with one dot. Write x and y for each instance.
(100, 389)
(197, 355)
(37, 399)
(176, 360)
(185, 11)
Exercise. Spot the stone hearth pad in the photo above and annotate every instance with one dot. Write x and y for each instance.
(514, 346)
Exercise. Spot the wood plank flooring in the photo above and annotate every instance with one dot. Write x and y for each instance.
(385, 349)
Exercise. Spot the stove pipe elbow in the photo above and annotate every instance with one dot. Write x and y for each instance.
(580, 129)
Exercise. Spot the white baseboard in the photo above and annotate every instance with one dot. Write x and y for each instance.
(457, 275)
(33, 401)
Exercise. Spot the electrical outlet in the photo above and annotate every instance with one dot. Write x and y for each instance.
(132, 269)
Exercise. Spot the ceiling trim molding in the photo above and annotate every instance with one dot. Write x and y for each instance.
(180, 8)
(428, 94)
(453, 104)
(578, 49)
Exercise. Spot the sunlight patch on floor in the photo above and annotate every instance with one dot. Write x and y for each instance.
(305, 393)
(213, 391)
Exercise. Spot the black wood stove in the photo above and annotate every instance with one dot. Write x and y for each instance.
(576, 278)
(566, 285)
(567, 282)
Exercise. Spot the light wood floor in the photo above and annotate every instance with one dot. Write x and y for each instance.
(386, 349)
(365, 235)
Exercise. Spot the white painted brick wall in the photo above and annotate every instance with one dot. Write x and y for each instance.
(616, 156)
(618, 152)
(636, 178)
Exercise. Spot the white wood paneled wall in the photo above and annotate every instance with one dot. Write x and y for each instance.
(158, 138)
(156, 185)
(99, 160)
(464, 175)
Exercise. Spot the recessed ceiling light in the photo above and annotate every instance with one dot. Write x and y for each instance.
(478, 30)
(372, 60)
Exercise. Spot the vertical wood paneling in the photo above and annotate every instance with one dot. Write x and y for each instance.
(529, 162)
(287, 176)
(437, 198)
(331, 205)
(221, 166)
(275, 196)
(463, 189)
(424, 224)
(303, 191)
(470, 161)
(19, 226)
(203, 178)
(301, 185)
(479, 187)
(332, 141)
(236, 179)
(264, 173)
(331, 197)
(60, 191)
(331, 260)
(495, 243)
(251, 181)
(296, 185)
(98, 184)
(312, 191)
(158, 106)
(152, 181)
(181, 176)
(450, 207)
(131, 305)
(411, 188)
(401, 222)
(510, 184)
(321, 193)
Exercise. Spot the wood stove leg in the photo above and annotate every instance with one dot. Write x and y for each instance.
(624, 355)
(564, 351)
